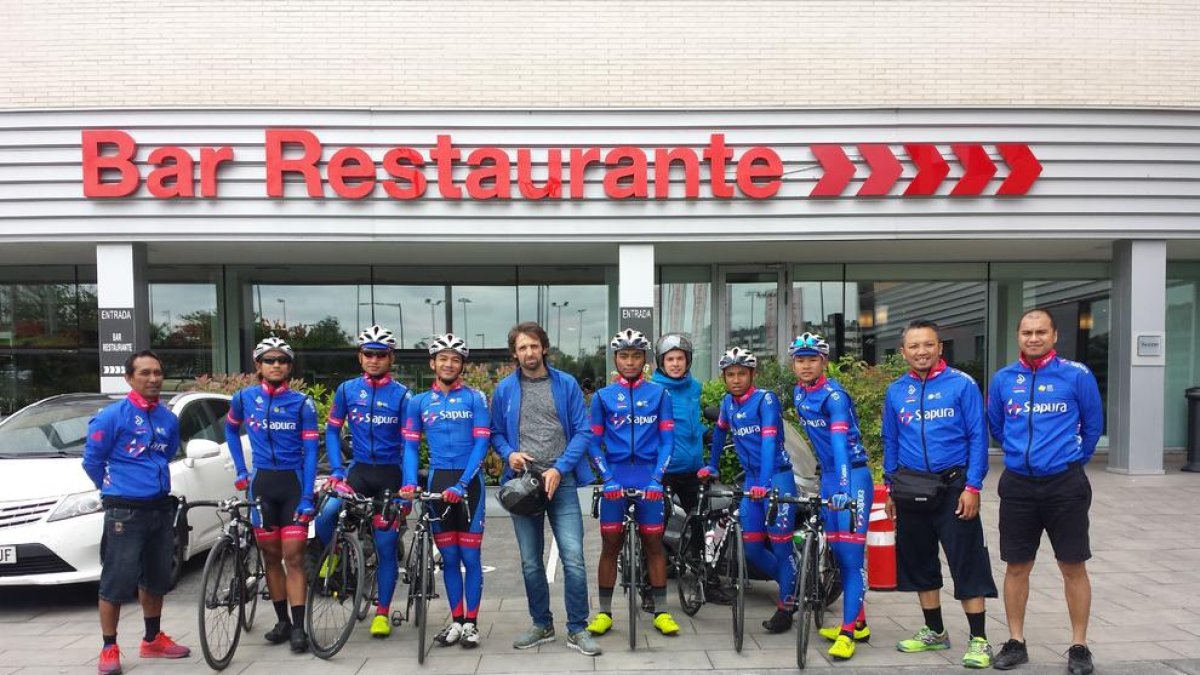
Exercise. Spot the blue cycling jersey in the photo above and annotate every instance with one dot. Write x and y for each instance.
(935, 423)
(456, 426)
(755, 421)
(828, 415)
(282, 427)
(375, 410)
(129, 449)
(636, 424)
(1046, 414)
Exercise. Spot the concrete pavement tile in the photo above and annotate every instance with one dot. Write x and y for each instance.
(648, 660)
(757, 660)
(308, 666)
(868, 654)
(74, 656)
(1190, 666)
(457, 664)
(1160, 617)
(1141, 633)
(532, 662)
(1192, 627)
(1039, 653)
(1188, 648)
(1113, 652)
(56, 670)
(655, 640)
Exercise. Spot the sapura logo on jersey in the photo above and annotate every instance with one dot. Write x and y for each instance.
(429, 417)
(135, 449)
(617, 420)
(938, 413)
(814, 423)
(1014, 409)
(906, 416)
(456, 414)
(280, 425)
(747, 430)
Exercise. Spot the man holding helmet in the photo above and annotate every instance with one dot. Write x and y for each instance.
(373, 406)
(282, 428)
(539, 425)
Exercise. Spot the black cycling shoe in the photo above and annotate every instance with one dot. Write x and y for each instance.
(780, 622)
(280, 634)
(1079, 660)
(717, 595)
(299, 640)
(1011, 655)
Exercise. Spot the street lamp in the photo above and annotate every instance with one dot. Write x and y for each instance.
(432, 323)
(481, 340)
(579, 335)
(399, 312)
(558, 327)
(465, 302)
(284, 303)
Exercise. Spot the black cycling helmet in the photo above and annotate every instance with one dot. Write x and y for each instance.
(523, 495)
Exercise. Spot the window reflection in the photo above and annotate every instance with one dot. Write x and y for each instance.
(575, 317)
(413, 313)
(482, 315)
(183, 319)
(685, 306)
(751, 303)
(309, 317)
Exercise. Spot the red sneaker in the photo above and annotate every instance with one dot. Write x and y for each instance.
(163, 647)
(110, 661)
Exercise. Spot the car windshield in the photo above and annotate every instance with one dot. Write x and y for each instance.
(52, 429)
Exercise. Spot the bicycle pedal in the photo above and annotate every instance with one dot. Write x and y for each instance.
(397, 619)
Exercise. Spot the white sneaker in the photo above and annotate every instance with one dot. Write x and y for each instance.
(449, 635)
(470, 638)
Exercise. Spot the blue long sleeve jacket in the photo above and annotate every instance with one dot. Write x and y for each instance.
(756, 421)
(1045, 414)
(282, 428)
(572, 414)
(375, 411)
(635, 423)
(936, 423)
(688, 453)
(829, 418)
(456, 426)
(129, 449)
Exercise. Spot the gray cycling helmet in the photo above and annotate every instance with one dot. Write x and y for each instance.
(669, 342)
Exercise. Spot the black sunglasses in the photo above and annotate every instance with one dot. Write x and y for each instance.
(375, 353)
(272, 360)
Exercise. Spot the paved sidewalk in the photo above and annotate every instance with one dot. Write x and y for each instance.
(1145, 616)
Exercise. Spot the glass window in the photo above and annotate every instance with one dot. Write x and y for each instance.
(183, 325)
(1183, 348)
(752, 305)
(571, 304)
(412, 313)
(685, 302)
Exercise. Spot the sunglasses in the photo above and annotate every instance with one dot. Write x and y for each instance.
(375, 353)
(272, 360)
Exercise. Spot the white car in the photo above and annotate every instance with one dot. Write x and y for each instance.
(50, 513)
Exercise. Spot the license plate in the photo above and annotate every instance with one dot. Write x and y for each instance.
(8, 555)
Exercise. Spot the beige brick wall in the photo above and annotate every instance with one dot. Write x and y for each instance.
(576, 53)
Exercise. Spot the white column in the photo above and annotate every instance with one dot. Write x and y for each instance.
(123, 301)
(1137, 345)
(635, 290)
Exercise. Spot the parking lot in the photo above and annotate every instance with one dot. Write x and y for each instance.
(1145, 618)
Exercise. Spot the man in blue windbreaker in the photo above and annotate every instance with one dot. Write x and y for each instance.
(933, 424)
(1046, 413)
(539, 424)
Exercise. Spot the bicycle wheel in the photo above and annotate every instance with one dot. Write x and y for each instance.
(334, 595)
(689, 571)
(423, 558)
(220, 605)
(807, 597)
(737, 573)
(633, 580)
(253, 579)
(371, 571)
(830, 576)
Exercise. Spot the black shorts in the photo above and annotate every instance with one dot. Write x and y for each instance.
(372, 480)
(1057, 505)
(465, 516)
(135, 552)
(918, 533)
(279, 495)
(685, 486)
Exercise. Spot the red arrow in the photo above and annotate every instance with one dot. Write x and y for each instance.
(931, 169)
(838, 170)
(978, 169)
(1025, 168)
(885, 170)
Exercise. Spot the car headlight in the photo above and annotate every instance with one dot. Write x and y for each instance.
(78, 504)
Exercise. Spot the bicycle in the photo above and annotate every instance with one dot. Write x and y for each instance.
(418, 570)
(810, 596)
(232, 581)
(730, 568)
(630, 561)
(340, 594)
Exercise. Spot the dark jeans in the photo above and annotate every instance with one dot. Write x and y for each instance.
(135, 552)
(566, 522)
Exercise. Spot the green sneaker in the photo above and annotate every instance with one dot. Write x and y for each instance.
(979, 654)
(925, 641)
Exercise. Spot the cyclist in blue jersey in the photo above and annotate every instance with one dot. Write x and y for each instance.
(454, 419)
(754, 418)
(632, 438)
(282, 427)
(828, 416)
(373, 406)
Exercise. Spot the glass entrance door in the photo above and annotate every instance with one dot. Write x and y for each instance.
(753, 306)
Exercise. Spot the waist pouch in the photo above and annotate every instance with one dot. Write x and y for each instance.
(921, 490)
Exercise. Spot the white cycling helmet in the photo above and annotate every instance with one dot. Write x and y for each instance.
(449, 342)
(629, 339)
(737, 356)
(376, 337)
(273, 344)
(809, 344)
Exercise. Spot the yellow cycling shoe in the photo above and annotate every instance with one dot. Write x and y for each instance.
(665, 623)
(601, 624)
(329, 566)
(381, 627)
(843, 648)
(860, 634)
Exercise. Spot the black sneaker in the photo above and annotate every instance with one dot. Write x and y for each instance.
(280, 634)
(1079, 660)
(299, 640)
(780, 622)
(1011, 655)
